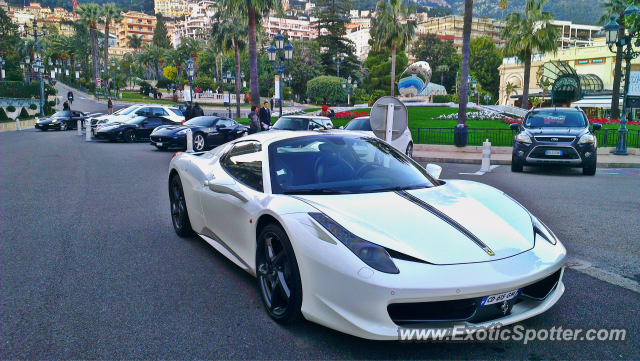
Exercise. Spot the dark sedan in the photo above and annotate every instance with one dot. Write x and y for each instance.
(138, 128)
(555, 136)
(62, 120)
(208, 131)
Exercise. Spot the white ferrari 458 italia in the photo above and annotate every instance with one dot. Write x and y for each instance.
(342, 229)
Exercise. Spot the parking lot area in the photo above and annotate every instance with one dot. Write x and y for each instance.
(91, 267)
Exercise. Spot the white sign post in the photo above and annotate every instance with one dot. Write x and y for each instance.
(187, 93)
(277, 95)
(634, 84)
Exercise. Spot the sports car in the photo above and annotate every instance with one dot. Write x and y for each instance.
(207, 132)
(342, 229)
(62, 120)
(138, 128)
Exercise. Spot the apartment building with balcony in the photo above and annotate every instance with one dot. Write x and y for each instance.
(296, 29)
(450, 28)
(196, 25)
(575, 34)
(172, 8)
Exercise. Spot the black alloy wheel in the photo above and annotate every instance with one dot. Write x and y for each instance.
(179, 214)
(278, 276)
(63, 125)
(129, 136)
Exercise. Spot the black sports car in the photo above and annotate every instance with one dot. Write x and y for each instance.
(62, 120)
(208, 131)
(555, 136)
(138, 128)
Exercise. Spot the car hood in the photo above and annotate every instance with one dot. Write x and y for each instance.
(172, 129)
(570, 131)
(395, 222)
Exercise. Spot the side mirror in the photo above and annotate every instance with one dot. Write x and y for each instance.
(226, 186)
(341, 128)
(145, 123)
(514, 126)
(597, 126)
(434, 170)
(221, 126)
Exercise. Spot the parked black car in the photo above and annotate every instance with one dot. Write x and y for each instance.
(555, 136)
(208, 131)
(138, 128)
(62, 120)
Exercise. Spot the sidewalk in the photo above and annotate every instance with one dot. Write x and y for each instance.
(502, 155)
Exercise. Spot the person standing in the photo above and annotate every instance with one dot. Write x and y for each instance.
(196, 111)
(66, 106)
(188, 114)
(70, 97)
(254, 120)
(265, 116)
(271, 101)
(110, 106)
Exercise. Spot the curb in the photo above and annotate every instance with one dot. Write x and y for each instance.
(508, 162)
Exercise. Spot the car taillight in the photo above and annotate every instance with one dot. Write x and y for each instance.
(176, 153)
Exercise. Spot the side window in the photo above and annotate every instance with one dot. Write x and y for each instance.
(158, 112)
(153, 122)
(244, 163)
(226, 122)
(176, 112)
(142, 111)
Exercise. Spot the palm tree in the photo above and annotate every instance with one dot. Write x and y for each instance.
(615, 8)
(156, 55)
(392, 28)
(134, 42)
(175, 58)
(503, 5)
(108, 13)
(509, 89)
(254, 10)
(442, 68)
(545, 85)
(145, 58)
(231, 34)
(464, 67)
(90, 15)
(525, 34)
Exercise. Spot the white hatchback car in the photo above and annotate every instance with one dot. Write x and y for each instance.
(170, 112)
(403, 144)
(302, 122)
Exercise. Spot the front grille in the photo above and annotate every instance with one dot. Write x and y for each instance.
(161, 139)
(567, 153)
(555, 139)
(456, 310)
(541, 289)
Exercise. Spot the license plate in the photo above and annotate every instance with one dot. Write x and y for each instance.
(489, 300)
(159, 144)
(552, 152)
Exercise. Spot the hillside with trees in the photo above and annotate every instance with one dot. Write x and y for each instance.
(145, 6)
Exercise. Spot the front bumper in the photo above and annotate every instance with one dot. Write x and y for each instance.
(573, 155)
(168, 141)
(111, 135)
(47, 126)
(342, 292)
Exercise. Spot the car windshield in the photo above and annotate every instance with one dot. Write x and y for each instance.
(337, 164)
(554, 119)
(360, 124)
(288, 123)
(126, 111)
(201, 121)
(61, 114)
(136, 120)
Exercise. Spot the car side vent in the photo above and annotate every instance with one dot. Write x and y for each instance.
(404, 257)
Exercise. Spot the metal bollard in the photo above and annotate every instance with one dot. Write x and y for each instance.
(18, 124)
(87, 128)
(79, 126)
(486, 157)
(189, 141)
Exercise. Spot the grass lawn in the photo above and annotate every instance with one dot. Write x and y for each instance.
(135, 97)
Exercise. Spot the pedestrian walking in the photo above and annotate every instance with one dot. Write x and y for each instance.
(70, 97)
(254, 120)
(271, 101)
(66, 106)
(196, 111)
(265, 116)
(110, 106)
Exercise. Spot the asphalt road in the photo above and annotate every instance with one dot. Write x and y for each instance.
(92, 269)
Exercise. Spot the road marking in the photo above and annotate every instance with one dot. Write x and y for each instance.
(603, 275)
(617, 171)
(480, 172)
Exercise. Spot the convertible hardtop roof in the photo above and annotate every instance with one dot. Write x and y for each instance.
(270, 136)
(305, 116)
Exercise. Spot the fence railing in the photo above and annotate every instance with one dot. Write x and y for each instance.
(504, 137)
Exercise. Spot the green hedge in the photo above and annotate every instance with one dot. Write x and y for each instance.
(11, 109)
(17, 89)
(33, 106)
(24, 114)
(3, 114)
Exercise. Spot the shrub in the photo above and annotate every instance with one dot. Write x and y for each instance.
(17, 89)
(24, 114)
(163, 83)
(91, 86)
(145, 88)
(33, 106)
(329, 88)
(51, 103)
(48, 110)
(441, 98)
(11, 109)
(3, 115)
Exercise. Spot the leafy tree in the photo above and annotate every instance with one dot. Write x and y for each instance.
(9, 41)
(510, 88)
(524, 34)
(379, 69)
(304, 65)
(108, 13)
(328, 88)
(503, 4)
(134, 42)
(392, 29)
(170, 72)
(331, 17)
(90, 15)
(464, 67)
(160, 35)
(438, 52)
(484, 61)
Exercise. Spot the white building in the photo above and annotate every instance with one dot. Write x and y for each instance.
(297, 29)
(197, 25)
(309, 6)
(360, 37)
(354, 13)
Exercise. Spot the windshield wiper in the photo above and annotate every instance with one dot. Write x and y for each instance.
(315, 191)
(396, 189)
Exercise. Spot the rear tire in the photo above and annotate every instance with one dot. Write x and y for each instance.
(179, 213)
(590, 170)
(129, 136)
(517, 168)
(409, 151)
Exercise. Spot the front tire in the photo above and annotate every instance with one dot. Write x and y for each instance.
(278, 276)
(164, 147)
(63, 125)
(179, 213)
(198, 142)
(129, 136)
(409, 151)
(590, 170)
(517, 168)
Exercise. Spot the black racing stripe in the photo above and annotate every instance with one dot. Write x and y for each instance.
(447, 219)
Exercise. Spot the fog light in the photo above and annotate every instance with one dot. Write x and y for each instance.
(520, 153)
(587, 154)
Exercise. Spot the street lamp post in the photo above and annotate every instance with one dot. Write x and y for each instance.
(611, 31)
(22, 69)
(190, 72)
(38, 67)
(280, 52)
(487, 98)
(472, 87)
(338, 59)
(36, 33)
(230, 79)
(2, 62)
(349, 88)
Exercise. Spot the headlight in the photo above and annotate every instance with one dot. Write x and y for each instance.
(183, 131)
(586, 139)
(523, 138)
(543, 231)
(54, 121)
(371, 254)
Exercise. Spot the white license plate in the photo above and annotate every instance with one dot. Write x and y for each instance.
(488, 300)
(159, 144)
(552, 152)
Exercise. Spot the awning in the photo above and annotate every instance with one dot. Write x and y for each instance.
(604, 103)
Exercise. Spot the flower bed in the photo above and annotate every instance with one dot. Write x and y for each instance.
(483, 115)
(350, 115)
(591, 120)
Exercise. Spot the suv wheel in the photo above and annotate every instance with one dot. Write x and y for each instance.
(591, 170)
(515, 167)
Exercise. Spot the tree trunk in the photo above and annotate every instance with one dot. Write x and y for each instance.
(527, 78)
(464, 71)
(253, 56)
(393, 69)
(106, 45)
(617, 75)
(238, 77)
(94, 54)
